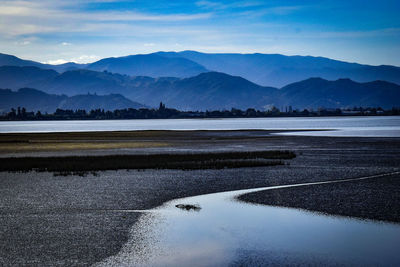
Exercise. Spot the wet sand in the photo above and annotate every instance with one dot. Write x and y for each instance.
(375, 199)
(71, 220)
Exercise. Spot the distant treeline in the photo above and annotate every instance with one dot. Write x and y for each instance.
(168, 113)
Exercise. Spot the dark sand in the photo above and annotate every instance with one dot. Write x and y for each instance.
(376, 199)
(70, 220)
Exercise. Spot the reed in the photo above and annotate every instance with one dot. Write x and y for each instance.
(191, 161)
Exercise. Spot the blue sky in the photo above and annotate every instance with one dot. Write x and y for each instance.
(86, 30)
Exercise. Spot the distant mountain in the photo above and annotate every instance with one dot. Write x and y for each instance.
(13, 77)
(10, 60)
(207, 91)
(29, 98)
(263, 69)
(34, 100)
(85, 81)
(215, 90)
(106, 102)
(66, 66)
(149, 65)
(75, 81)
(211, 90)
(70, 82)
(317, 92)
(279, 70)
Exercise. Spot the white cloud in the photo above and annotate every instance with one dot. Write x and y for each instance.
(65, 44)
(23, 43)
(236, 4)
(55, 62)
(80, 59)
(84, 59)
(19, 18)
(20, 29)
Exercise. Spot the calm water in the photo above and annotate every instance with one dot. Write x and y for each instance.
(226, 231)
(388, 126)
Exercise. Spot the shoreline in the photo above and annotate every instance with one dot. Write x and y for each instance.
(202, 118)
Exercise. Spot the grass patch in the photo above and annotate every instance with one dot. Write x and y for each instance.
(37, 146)
(77, 164)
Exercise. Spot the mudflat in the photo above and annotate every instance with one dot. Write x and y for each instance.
(79, 220)
(376, 198)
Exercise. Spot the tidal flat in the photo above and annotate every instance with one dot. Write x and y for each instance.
(75, 220)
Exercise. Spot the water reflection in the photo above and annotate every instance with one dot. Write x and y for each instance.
(226, 231)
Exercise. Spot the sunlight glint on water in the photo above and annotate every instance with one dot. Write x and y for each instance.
(385, 126)
(226, 231)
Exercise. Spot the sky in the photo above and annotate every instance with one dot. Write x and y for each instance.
(82, 31)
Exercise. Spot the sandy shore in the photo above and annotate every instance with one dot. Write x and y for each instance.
(67, 220)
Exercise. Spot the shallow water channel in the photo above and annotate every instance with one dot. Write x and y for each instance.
(230, 232)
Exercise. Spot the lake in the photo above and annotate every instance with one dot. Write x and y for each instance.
(385, 126)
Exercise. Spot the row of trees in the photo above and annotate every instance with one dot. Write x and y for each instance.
(167, 113)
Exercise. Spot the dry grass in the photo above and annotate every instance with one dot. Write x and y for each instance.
(190, 161)
(68, 146)
(90, 136)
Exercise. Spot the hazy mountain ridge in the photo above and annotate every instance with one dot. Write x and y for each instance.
(10, 60)
(210, 90)
(34, 100)
(264, 69)
(31, 99)
(279, 70)
(15, 77)
(205, 91)
(317, 92)
(151, 65)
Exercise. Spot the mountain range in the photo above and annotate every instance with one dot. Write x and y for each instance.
(35, 100)
(188, 85)
(206, 91)
(264, 69)
(279, 70)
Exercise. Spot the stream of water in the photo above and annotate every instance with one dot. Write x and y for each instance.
(226, 231)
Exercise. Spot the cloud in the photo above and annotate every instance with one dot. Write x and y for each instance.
(55, 62)
(33, 10)
(23, 43)
(220, 6)
(65, 44)
(84, 59)
(41, 17)
(80, 59)
(278, 10)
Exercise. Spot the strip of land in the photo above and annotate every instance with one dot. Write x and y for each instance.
(87, 143)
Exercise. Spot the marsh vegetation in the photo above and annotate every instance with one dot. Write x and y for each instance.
(189, 161)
